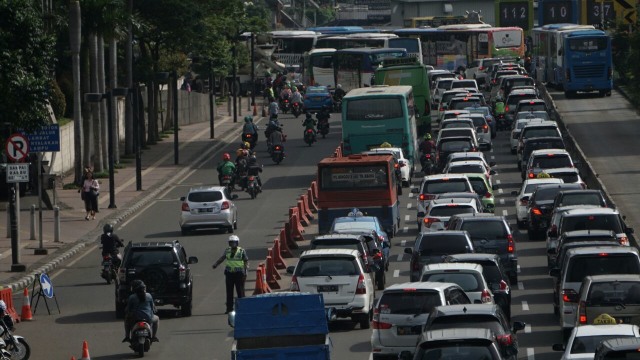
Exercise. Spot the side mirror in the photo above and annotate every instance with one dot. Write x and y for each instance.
(192, 260)
(555, 272)
(408, 251)
(514, 192)
(415, 191)
(518, 325)
(558, 347)
(492, 163)
(182, 198)
(290, 269)
(492, 172)
(495, 187)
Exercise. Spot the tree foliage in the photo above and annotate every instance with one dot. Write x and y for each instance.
(26, 62)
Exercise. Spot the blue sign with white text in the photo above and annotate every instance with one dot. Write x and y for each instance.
(45, 139)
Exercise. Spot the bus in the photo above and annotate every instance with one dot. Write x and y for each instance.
(433, 21)
(515, 13)
(367, 182)
(292, 44)
(453, 47)
(353, 68)
(341, 29)
(573, 58)
(378, 114)
(317, 67)
(558, 11)
(408, 71)
(371, 40)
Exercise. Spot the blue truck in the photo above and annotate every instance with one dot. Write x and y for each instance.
(280, 326)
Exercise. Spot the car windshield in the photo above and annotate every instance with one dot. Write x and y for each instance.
(478, 185)
(592, 222)
(435, 245)
(205, 196)
(467, 281)
(580, 198)
(601, 264)
(485, 230)
(467, 168)
(444, 186)
(551, 162)
(614, 293)
(327, 266)
(409, 302)
(467, 321)
(587, 344)
(151, 257)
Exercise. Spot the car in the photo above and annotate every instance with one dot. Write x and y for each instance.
(510, 83)
(617, 348)
(537, 143)
(457, 131)
(462, 195)
(494, 273)
(443, 100)
(457, 123)
(594, 218)
(458, 343)
(469, 156)
(483, 130)
(542, 129)
(585, 261)
(487, 316)
(433, 185)
(401, 311)
(584, 340)
(406, 166)
(496, 79)
(518, 125)
(531, 105)
(483, 187)
(539, 208)
(341, 277)
(469, 276)
(451, 114)
(562, 250)
(464, 83)
(437, 74)
(165, 269)
(533, 115)
(543, 159)
(553, 237)
(514, 98)
(478, 68)
(490, 234)
(464, 101)
(439, 211)
(430, 248)
(370, 250)
(604, 294)
(316, 97)
(570, 175)
(442, 84)
(523, 195)
(208, 207)
(470, 166)
(356, 221)
(488, 115)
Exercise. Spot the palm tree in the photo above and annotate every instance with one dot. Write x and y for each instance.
(75, 26)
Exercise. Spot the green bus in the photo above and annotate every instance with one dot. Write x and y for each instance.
(409, 71)
(378, 114)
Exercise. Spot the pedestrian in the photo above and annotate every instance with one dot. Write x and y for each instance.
(235, 269)
(90, 190)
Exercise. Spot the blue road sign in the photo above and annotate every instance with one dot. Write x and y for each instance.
(46, 285)
(45, 139)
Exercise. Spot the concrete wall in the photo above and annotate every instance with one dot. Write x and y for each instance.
(401, 10)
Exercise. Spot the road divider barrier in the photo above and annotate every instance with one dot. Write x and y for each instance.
(6, 295)
(278, 260)
(311, 201)
(305, 206)
(304, 220)
(296, 228)
(85, 351)
(272, 272)
(314, 191)
(287, 238)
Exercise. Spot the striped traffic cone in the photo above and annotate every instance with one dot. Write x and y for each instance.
(26, 307)
(85, 351)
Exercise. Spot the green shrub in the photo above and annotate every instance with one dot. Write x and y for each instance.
(57, 100)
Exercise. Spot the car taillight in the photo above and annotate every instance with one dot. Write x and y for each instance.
(396, 166)
(485, 297)
(376, 324)
(441, 109)
(485, 128)
(536, 211)
(361, 288)
(182, 272)
(481, 68)
(569, 295)
(424, 197)
(531, 175)
(427, 156)
(506, 108)
(430, 221)
(487, 195)
(624, 241)
(185, 206)
(503, 285)
(510, 244)
(294, 284)
(505, 340)
(225, 205)
(309, 131)
(582, 313)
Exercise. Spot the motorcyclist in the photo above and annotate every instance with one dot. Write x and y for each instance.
(276, 138)
(339, 93)
(254, 169)
(110, 243)
(274, 108)
(273, 124)
(324, 114)
(140, 306)
(4, 316)
(296, 97)
(427, 146)
(499, 112)
(226, 167)
(250, 128)
(286, 92)
(309, 123)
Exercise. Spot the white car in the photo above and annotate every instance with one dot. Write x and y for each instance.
(439, 211)
(451, 114)
(403, 309)
(483, 130)
(470, 167)
(208, 207)
(517, 128)
(522, 196)
(340, 276)
(441, 85)
(433, 185)
(469, 156)
(406, 165)
(569, 175)
(468, 275)
(584, 339)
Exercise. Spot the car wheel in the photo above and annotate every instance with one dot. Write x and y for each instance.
(364, 321)
(184, 231)
(186, 308)
(230, 229)
(381, 279)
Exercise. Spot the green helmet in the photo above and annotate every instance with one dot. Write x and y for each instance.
(427, 136)
(248, 119)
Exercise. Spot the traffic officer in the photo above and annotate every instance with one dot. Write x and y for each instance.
(235, 269)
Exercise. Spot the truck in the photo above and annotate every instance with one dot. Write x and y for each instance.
(280, 326)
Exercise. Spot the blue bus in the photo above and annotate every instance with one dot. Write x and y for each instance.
(546, 41)
(587, 63)
(558, 11)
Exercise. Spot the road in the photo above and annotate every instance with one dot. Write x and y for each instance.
(87, 303)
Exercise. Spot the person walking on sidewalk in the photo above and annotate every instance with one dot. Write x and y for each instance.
(235, 269)
(90, 188)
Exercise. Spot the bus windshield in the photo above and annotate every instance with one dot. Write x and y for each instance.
(381, 109)
(336, 178)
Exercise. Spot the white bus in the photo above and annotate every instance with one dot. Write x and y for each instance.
(292, 44)
(317, 68)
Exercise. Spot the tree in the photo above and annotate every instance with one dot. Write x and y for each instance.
(26, 62)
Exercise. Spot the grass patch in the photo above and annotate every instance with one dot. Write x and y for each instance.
(101, 175)
(126, 160)
(119, 166)
(70, 186)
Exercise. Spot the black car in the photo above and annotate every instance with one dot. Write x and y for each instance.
(470, 343)
(579, 238)
(450, 145)
(490, 234)
(538, 143)
(541, 205)
(478, 316)
(494, 273)
(432, 248)
(580, 197)
(164, 268)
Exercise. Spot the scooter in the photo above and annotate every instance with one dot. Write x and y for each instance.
(250, 138)
(309, 136)
(427, 162)
(323, 127)
(252, 186)
(277, 153)
(285, 105)
(110, 267)
(227, 181)
(296, 109)
(141, 338)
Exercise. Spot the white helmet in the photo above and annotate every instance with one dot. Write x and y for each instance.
(3, 305)
(339, 86)
(234, 238)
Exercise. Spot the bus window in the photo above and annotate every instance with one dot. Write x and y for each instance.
(380, 109)
(336, 178)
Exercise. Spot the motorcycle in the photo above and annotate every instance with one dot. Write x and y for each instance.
(15, 346)
(110, 267)
(141, 338)
(427, 162)
(337, 104)
(323, 127)
(309, 136)
(296, 109)
(252, 186)
(227, 181)
(285, 105)
(250, 138)
(277, 153)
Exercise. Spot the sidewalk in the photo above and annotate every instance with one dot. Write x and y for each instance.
(158, 169)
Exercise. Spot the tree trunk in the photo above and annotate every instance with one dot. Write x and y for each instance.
(152, 112)
(94, 121)
(102, 124)
(75, 28)
(128, 53)
(113, 83)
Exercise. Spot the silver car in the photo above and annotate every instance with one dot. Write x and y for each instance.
(208, 207)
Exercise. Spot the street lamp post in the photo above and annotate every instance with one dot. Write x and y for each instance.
(175, 117)
(253, 71)
(96, 98)
(212, 110)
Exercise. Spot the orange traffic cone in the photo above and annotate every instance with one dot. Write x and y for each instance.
(85, 351)
(73, 358)
(26, 307)
(255, 110)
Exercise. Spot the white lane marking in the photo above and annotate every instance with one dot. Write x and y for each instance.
(498, 182)
(525, 306)
(405, 229)
(530, 354)
(409, 205)
(500, 191)
(403, 243)
(527, 329)
(400, 256)
(501, 201)
(518, 269)
(493, 157)
(407, 217)
(396, 273)
(520, 285)
(505, 213)
(410, 195)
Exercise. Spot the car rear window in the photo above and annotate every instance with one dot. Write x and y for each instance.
(205, 196)
(550, 131)
(462, 104)
(457, 124)
(409, 302)
(490, 271)
(487, 230)
(467, 321)
(450, 210)
(467, 281)
(546, 194)
(478, 121)
(614, 293)
(462, 169)
(337, 244)
(327, 266)
(555, 143)
(150, 257)
(567, 177)
(513, 99)
(445, 245)
(592, 222)
(478, 185)
(533, 114)
(587, 344)
(551, 162)
(587, 198)
(601, 264)
(463, 84)
(444, 186)
(445, 83)
(456, 145)
(532, 107)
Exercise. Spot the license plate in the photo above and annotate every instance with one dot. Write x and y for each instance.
(142, 333)
(409, 330)
(205, 210)
(316, 98)
(327, 288)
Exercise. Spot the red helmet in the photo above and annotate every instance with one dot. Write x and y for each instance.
(226, 157)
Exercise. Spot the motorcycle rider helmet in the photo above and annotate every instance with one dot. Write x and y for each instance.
(3, 306)
(248, 119)
(234, 238)
(339, 86)
(246, 145)
(107, 228)
(427, 136)
(138, 286)
(226, 157)
(252, 160)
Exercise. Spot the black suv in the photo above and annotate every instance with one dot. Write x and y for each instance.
(540, 207)
(470, 343)
(433, 247)
(164, 268)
